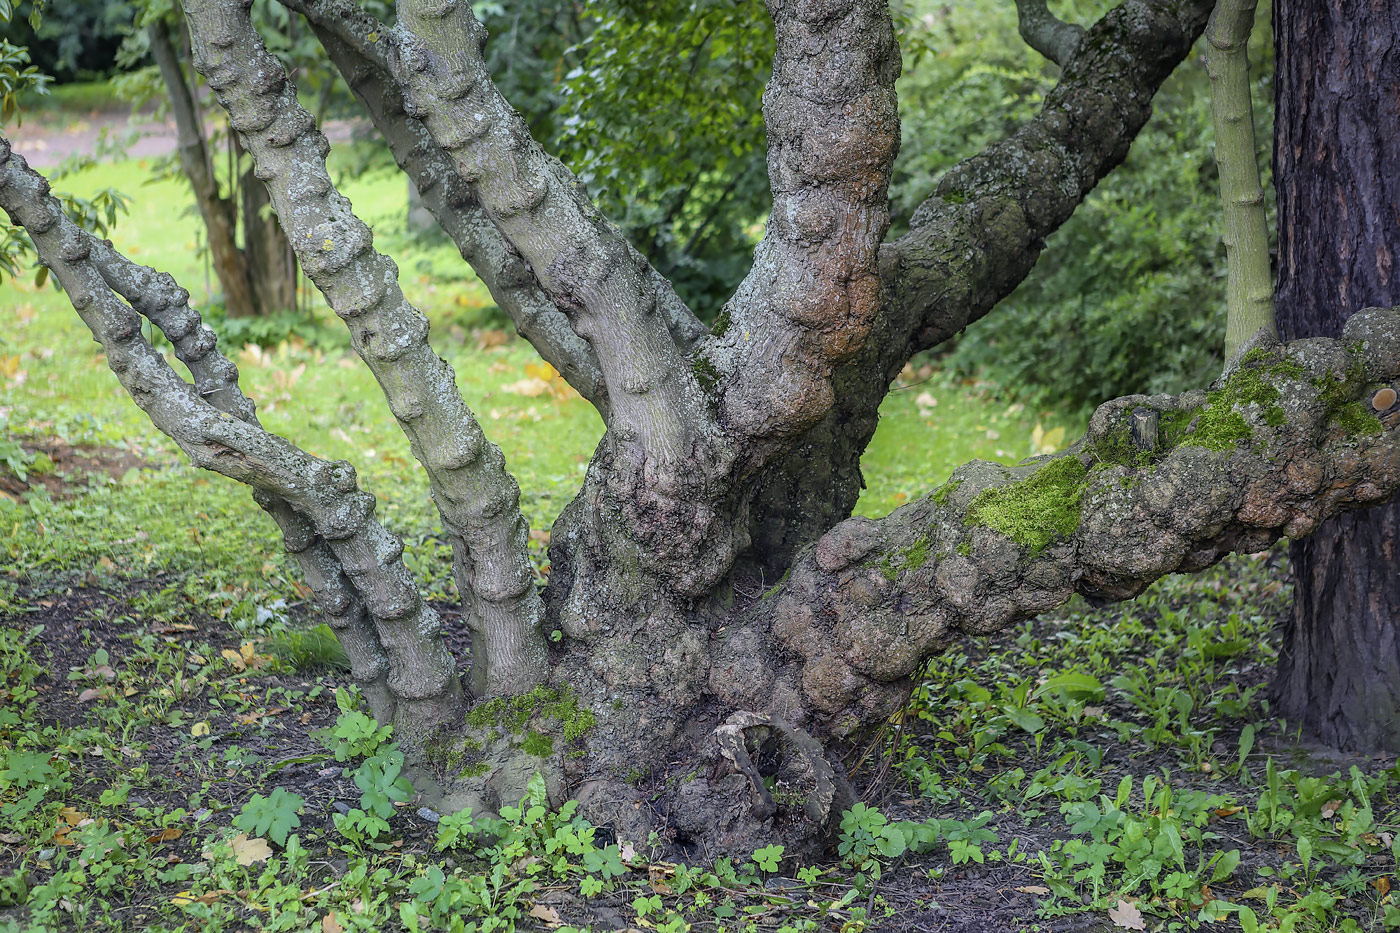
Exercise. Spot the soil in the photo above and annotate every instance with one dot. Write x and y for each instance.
(71, 467)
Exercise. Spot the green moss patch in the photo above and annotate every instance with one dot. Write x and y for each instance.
(1357, 419)
(704, 371)
(910, 558)
(944, 493)
(512, 715)
(538, 744)
(1038, 510)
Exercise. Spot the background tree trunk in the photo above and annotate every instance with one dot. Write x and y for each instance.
(272, 266)
(217, 212)
(1336, 147)
(260, 277)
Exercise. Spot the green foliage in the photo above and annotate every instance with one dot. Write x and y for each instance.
(355, 734)
(72, 39)
(865, 833)
(768, 857)
(382, 783)
(659, 118)
(305, 649)
(273, 815)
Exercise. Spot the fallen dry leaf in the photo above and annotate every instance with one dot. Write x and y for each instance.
(72, 816)
(1034, 889)
(330, 923)
(1126, 916)
(490, 339)
(546, 913)
(165, 835)
(1382, 885)
(1330, 808)
(247, 851)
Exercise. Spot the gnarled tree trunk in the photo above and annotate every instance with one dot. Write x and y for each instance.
(1337, 145)
(730, 459)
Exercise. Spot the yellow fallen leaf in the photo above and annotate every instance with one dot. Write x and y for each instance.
(247, 851)
(199, 728)
(234, 659)
(186, 898)
(165, 835)
(72, 816)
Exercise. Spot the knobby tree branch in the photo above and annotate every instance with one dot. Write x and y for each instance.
(476, 498)
(159, 299)
(1159, 485)
(1250, 285)
(1045, 32)
(613, 297)
(318, 504)
(972, 243)
(501, 269)
(813, 292)
(977, 237)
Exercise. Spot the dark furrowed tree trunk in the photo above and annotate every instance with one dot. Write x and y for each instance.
(1337, 145)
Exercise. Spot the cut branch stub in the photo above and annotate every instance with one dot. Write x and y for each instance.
(1294, 435)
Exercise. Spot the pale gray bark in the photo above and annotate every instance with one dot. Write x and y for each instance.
(450, 201)
(166, 305)
(476, 498)
(421, 675)
(659, 414)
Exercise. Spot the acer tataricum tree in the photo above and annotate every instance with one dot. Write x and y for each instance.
(724, 620)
